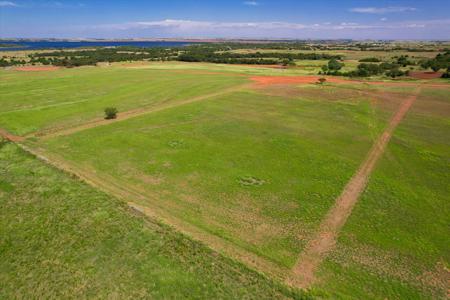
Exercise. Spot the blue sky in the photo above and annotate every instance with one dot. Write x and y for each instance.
(357, 19)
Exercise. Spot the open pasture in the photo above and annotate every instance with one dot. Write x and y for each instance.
(251, 165)
(39, 101)
(396, 241)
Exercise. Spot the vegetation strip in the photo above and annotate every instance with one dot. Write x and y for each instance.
(319, 246)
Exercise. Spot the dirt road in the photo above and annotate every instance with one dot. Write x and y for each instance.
(324, 240)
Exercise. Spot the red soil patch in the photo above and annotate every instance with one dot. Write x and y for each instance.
(425, 75)
(36, 68)
(10, 137)
(269, 80)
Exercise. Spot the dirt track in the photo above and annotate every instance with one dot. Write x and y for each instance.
(325, 239)
(10, 137)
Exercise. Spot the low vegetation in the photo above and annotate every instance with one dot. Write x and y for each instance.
(110, 113)
(60, 238)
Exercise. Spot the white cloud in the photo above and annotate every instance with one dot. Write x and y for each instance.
(8, 3)
(383, 19)
(382, 10)
(216, 29)
(208, 26)
(251, 3)
(58, 4)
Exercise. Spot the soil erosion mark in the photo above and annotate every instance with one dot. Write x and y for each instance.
(302, 275)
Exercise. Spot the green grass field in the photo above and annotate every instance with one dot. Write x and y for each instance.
(254, 169)
(60, 238)
(251, 172)
(396, 241)
(34, 101)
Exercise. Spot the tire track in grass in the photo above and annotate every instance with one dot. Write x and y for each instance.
(133, 196)
(130, 114)
(303, 273)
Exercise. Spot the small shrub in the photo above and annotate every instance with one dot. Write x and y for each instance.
(321, 80)
(110, 113)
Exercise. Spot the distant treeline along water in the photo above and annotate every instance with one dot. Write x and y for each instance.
(36, 45)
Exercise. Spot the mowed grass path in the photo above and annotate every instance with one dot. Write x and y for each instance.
(32, 101)
(257, 170)
(395, 244)
(60, 238)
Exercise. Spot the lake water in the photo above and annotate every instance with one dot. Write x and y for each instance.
(36, 45)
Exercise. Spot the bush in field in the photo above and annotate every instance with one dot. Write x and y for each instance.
(321, 80)
(110, 113)
(334, 65)
(370, 59)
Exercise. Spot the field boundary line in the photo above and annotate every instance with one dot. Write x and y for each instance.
(130, 114)
(132, 196)
(323, 241)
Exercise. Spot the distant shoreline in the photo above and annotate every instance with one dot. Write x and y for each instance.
(8, 46)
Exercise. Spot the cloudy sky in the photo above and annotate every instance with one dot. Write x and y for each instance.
(301, 19)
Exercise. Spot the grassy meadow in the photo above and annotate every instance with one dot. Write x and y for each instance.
(395, 243)
(60, 238)
(33, 101)
(250, 172)
(258, 168)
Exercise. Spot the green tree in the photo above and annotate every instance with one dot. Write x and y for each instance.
(110, 113)
(334, 65)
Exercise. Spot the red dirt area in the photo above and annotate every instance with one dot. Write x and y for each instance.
(10, 137)
(425, 75)
(36, 68)
(269, 80)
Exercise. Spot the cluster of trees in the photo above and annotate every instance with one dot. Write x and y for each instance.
(208, 54)
(11, 62)
(440, 62)
(214, 53)
(371, 69)
(94, 56)
(363, 70)
(332, 68)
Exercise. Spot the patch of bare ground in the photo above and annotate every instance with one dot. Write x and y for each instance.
(310, 79)
(36, 68)
(425, 75)
(324, 240)
(148, 204)
(122, 116)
